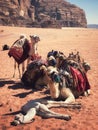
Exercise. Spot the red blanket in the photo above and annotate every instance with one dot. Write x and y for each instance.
(20, 54)
(82, 81)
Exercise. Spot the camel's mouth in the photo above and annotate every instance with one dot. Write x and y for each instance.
(86, 66)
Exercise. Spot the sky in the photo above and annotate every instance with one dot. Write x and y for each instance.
(90, 7)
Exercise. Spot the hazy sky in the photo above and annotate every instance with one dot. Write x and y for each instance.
(90, 7)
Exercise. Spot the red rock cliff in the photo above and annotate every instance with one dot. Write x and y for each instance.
(41, 13)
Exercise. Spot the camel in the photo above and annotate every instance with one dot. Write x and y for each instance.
(16, 51)
(41, 108)
(34, 77)
(23, 49)
(61, 88)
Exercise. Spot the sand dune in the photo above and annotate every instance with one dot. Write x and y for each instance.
(13, 96)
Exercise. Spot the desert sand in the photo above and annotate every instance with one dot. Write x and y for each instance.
(13, 95)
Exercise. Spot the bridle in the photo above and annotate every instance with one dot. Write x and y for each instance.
(55, 77)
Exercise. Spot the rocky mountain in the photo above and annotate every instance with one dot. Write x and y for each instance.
(41, 13)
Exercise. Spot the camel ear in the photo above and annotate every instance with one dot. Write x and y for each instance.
(86, 66)
(43, 67)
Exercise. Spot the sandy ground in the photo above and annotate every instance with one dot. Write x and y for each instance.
(13, 95)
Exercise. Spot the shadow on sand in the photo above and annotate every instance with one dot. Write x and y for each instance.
(6, 81)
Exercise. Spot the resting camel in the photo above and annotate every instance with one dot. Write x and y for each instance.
(61, 88)
(41, 107)
(34, 77)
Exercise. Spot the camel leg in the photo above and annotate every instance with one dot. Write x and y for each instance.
(19, 71)
(89, 91)
(46, 113)
(14, 68)
(54, 104)
(23, 67)
(28, 61)
(69, 97)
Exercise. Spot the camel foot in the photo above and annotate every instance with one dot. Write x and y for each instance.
(67, 118)
(89, 92)
(15, 123)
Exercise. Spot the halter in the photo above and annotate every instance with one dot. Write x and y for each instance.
(55, 77)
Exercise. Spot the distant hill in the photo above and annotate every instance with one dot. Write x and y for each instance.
(92, 26)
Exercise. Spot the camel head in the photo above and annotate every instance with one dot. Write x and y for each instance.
(34, 38)
(52, 53)
(86, 66)
(51, 61)
(53, 74)
(53, 81)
